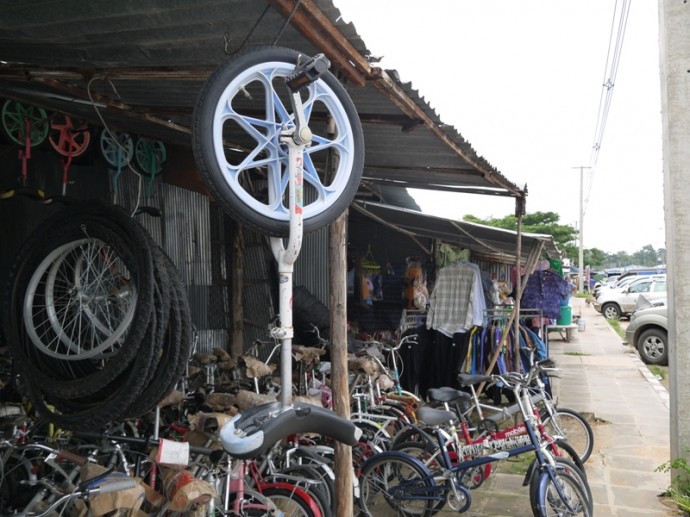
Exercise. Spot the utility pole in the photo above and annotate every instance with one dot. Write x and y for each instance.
(580, 255)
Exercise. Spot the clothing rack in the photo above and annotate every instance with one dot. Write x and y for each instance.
(504, 312)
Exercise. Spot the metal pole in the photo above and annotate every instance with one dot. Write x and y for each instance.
(581, 232)
(286, 255)
(580, 254)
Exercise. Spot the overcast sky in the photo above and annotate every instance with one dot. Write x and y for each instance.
(522, 82)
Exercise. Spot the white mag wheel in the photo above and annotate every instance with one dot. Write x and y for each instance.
(238, 119)
(79, 302)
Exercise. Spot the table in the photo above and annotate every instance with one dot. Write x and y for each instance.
(565, 331)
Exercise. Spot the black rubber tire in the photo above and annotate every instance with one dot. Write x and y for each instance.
(653, 346)
(323, 492)
(579, 434)
(177, 344)
(86, 378)
(611, 311)
(394, 461)
(308, 310)
(539, 490)
(278, 495)
(204, 144)
(423, 454)
(569, 453)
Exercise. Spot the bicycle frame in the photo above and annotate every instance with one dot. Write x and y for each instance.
(545, 464)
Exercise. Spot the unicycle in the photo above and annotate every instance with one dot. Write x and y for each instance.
(241, 112)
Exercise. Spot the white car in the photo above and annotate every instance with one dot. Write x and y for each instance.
(618, 303)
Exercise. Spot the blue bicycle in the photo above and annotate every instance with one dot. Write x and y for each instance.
(398, 483)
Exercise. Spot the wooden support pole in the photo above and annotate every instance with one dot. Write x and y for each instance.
(338, 338)
(236, 288)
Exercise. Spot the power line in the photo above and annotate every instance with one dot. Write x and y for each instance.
(610, 72)
(617, 36)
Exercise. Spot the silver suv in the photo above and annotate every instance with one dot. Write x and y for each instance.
(648, 333)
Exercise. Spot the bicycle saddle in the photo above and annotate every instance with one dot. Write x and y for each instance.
(431, 416)
(253, 432)
(446, 394)
(466, 379)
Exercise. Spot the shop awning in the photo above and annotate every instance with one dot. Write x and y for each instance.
(142, 65)
(487, 241)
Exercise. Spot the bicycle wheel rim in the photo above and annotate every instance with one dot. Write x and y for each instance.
(388, 482)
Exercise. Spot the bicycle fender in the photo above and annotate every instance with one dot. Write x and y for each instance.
(295, 490)
(530, 474)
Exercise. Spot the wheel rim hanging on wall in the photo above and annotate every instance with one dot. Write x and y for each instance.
(68, 136)
(116, 148)
(16, 116)
(150, 155)
(80, 302)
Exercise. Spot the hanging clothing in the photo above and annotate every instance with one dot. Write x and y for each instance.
(545, 290)
(457, 302)
(415, 375)
(447, 356)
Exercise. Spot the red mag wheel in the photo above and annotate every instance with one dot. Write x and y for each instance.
(68, 136)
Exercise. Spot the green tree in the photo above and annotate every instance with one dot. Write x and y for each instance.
(538, 222)
(595, 257)
(565, 238)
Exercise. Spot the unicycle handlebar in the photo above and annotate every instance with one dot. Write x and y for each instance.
(256, 430)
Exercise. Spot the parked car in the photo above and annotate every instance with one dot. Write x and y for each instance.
(618, 303)
(648, 333)
(620, 283)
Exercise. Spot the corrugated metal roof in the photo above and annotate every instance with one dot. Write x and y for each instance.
(146, 61)
(480, 239)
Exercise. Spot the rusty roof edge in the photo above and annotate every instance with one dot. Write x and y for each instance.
(394, 90)
(321, 31)
(311, 20)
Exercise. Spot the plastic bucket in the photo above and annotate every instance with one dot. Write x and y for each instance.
(566, 315)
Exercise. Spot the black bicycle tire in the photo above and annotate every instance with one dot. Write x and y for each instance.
(284, 493)
(323, 495)
(83, 385)
(538, 501)
(168, 369)
(96, 415)
(41, 240)
(571, 454)
(389, 456)
(588, 433)
(204, 151)
(308, 310)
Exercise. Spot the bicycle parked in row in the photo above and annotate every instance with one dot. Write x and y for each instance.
(428, 479)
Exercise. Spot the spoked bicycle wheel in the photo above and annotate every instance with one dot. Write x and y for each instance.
(80, 301)
(560, 496)
(238, 120)
(395, 482)
(573, 428)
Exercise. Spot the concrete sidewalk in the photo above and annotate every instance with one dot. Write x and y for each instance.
(630, 417)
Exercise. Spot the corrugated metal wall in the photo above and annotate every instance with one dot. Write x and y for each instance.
(191, 232)
(312, 266)
(497, 271)
(197, 236)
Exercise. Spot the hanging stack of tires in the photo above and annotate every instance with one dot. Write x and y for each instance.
(96, 318)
